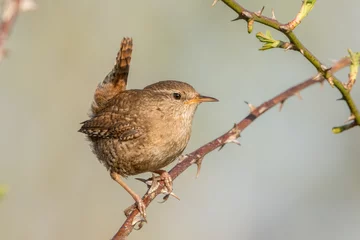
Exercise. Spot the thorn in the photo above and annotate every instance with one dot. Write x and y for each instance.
(221, 147)
(298, 95)
(146, 181)
(237, 18)
(340, 99)
(289, 46)
(235, 134)
(235, 141)
(167, 195)
(273, 14)
(302, 51)
(214, 3)
(198, 163)
(352, 117)
(252, 107)
(324, 68)
(281, 105)
(258, 13)
(175, 196)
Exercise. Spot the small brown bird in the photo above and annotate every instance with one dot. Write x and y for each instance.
(137, 131)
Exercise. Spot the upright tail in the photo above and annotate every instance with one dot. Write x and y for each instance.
(116, 80)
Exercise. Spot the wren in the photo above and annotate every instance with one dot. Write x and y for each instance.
(140, 130)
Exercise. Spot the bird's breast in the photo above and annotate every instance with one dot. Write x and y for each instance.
(168, 137)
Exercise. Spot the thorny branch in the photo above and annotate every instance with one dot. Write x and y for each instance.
(10, 11)
(296, 44)
(229, 137)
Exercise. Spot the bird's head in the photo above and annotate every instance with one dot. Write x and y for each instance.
(177, 97)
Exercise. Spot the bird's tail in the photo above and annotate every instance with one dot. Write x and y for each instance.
(116, 80)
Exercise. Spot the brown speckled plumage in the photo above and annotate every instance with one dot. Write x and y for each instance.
(142, 130)
(137, 131)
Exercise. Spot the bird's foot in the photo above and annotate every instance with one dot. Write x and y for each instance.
(168, 189)
(138, 219)
(140, 205)
(129, 210)
(153, 184)
(165, 176)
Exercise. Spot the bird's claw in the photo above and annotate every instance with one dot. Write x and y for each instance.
(168, 189)
(165, 176)
(140, 205)
(129, 210)
(138, 219)
(153, 184)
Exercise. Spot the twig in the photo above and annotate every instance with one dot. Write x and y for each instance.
(251, 17)
(345, 127)
(11, 9)
(10, 12)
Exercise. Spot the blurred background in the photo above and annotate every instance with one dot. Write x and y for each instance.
(291, 178)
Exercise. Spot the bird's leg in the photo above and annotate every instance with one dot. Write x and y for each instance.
(139, 202)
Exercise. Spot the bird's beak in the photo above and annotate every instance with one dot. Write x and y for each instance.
(200, 99)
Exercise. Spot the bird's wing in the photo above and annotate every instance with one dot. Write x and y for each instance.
(116, 81)
(110, 125)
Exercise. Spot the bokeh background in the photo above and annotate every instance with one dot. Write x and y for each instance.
(291, 178)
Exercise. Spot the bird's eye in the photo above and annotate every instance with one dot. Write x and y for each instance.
(177, 96)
